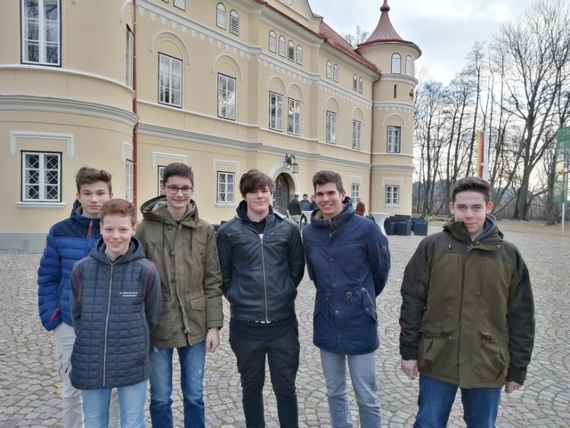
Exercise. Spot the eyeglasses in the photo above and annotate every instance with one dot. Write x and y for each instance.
(173, 190)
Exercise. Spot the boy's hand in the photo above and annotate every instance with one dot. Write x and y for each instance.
(512, 387)
(212, 340)
(410, 368)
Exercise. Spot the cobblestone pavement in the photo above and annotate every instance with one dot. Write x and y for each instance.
(29, 389)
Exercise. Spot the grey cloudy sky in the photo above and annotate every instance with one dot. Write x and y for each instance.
(445, 30)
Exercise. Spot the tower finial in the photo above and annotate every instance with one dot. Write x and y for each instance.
(385, 7)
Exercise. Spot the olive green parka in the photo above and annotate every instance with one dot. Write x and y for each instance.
(186, 257)
(467, 313)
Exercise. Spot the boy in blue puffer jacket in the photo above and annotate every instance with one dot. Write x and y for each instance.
(115, 305)
(67, 242)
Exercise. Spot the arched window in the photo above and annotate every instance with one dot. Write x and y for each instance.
(335, 72)
(272, 41)
(282, 46)
(360, 85)
(291, 51)
(409, 66)
(395, 91)
(329, 70)
(299, 54)
(221, 15)
(234, 22)
(354, 82)
(396, 63)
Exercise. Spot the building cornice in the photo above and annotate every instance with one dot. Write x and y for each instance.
(67, 71)
(394, 105)
(400, 78)
(12, 103)
(393, 168)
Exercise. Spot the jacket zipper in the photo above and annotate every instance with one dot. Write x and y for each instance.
(264, 279)
(107, 326)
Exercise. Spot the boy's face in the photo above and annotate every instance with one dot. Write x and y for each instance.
(117, 231)
(178, 191)
(471, 209)
(258, 201)
(329, 199)
(92, 197)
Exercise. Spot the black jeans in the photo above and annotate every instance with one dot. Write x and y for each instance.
(280, 342)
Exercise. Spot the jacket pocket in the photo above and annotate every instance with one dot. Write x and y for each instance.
(492, 362)
(197, 316)
(436, 351)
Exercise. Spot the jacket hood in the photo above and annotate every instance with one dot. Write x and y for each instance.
(490, 231)
(155, 209)
(347, 212)
(134, 252)
(76, 215)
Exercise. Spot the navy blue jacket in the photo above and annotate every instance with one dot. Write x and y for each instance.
(115, 306)
(348, 260)
(67, 242)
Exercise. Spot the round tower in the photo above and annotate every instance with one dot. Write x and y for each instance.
(393, 117)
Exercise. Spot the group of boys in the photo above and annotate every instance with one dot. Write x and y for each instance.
(467, 317)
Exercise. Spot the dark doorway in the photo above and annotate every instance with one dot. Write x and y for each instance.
(284, 190)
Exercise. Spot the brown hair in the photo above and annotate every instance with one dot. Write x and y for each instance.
(472, 184)
(177, 169)
(324, 177)
(360, 208)
(87, 175)
(120, 207)
(254, 179)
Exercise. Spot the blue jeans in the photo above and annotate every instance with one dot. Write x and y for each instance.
(192, 360)
(480, 405)
(363, 375)
(131, 406)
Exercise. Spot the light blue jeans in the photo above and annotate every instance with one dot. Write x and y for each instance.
(363, 376)
(192, 360)
(131, 406)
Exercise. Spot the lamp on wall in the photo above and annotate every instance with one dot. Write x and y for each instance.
(291, 163)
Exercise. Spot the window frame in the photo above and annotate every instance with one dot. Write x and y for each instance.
(129, 179)
(336, 72)
(299, 55)
(234, 17)
(278, 111)
(330, 127)
(355, 82)
(171, 59)
(42, 44)
(356, 139)
(41, 177)
(159, 175)
(329, 70)
(360, 85)
(176, 4)
(354, 198)
(233, 193)
(392, 195)
(222, 76)
(295, 129)
(220, 24)
(272, 37)
(391, 146)
(129, 58)
(291, 50)
(398, 57)
(282, 46)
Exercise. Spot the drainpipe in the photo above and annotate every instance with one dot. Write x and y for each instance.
(372, 146)
(135, 110)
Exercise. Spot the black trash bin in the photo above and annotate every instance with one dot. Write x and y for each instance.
(389, 226)
(403, 227)
(420, 226)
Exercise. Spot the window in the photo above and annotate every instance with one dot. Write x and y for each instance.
(396, 60)
(392, 196)
(225, 186)
(221, 15)
(408, 66)
(129, 58)
(335, 72)
(169, 80)
(356, 128)
(395, 91)
(394, 139)
(294, 117)
(159, 176)
(226, 96)
(41, 177)
(329, 70)
(234, 22)
(282, 46)
(330, 135)
(180, 4)
(355, 193)
(291, 51)
(41, 38)
(272, 42)
(275, 111)
(354, 83)
(129, 169)
(299, 54)
(360, 85)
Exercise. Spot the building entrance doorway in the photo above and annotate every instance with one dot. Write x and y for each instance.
(284, 191)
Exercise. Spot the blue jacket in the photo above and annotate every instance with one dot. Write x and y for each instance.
(115, 306)
(67, 242)
(348, 260)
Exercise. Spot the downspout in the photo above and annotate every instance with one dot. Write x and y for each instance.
(135, 110)
(372, 146)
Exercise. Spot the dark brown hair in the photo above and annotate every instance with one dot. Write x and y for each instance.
(472, 184)
(177, 169)
(119, 207)
(360, 208)
(87, 175)
(254, 179)
(324, 177)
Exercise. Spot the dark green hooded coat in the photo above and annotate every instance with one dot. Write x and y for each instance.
(467, 314)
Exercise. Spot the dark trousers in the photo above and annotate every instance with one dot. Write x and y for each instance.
(280, 343)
